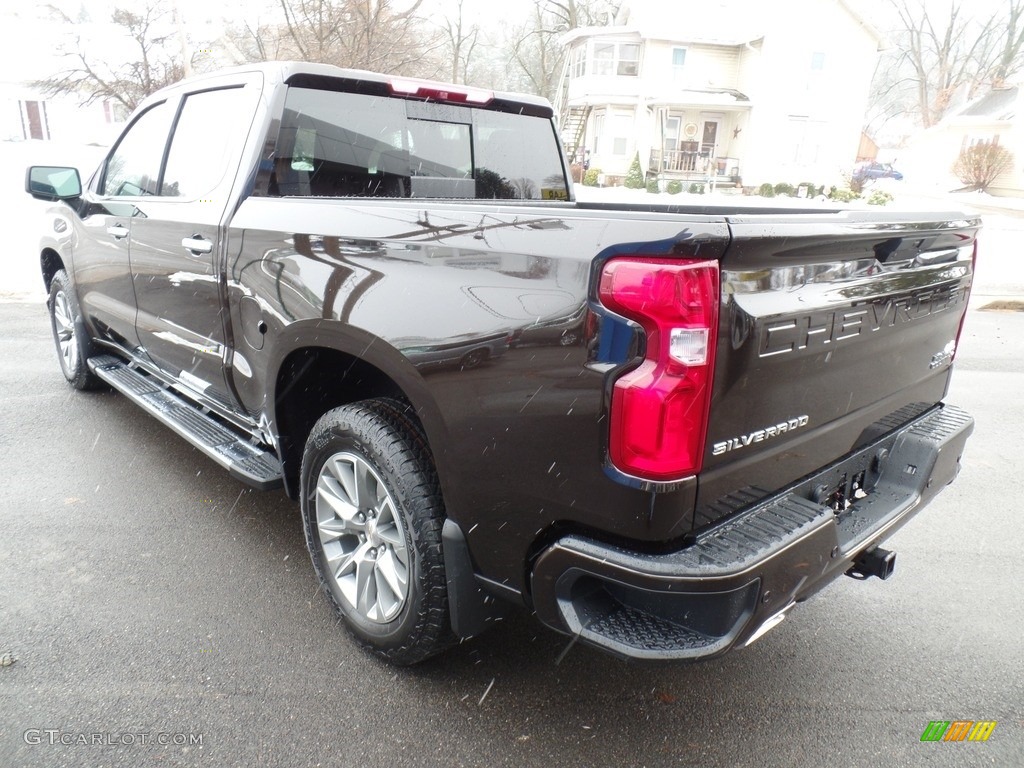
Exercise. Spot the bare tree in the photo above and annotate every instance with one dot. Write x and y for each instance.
(360, 34)
(157, 60)
(942, 54)
(572, 14)
(891, 96)
(461, 39)
(258, 40)
(535, 49)
(1009, 57)
(942, 51)
(535, 45)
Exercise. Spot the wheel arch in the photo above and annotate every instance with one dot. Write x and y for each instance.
(324, 367)
(50, 263)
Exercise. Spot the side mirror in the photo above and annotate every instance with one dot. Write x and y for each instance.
(47, 182)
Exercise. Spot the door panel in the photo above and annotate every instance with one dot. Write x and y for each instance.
(102, 266)
(175, 247)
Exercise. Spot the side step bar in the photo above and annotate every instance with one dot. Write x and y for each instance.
(246, 462)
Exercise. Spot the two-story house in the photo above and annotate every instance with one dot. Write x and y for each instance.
(720, 91)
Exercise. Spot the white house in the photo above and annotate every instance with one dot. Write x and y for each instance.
(994, 117)
(28, 54)
(727, 90)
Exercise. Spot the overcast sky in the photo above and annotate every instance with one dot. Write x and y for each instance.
(27, 39)
(486, 12)
(209, 10)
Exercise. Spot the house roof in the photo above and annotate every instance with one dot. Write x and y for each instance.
(859, 17)
(713, 22)
(997, 104)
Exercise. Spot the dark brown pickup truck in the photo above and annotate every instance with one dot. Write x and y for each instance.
(659, 428)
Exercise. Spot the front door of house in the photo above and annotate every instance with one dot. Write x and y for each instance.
(710, 123)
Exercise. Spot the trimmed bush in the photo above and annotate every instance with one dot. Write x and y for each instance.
(590, 177)
(635, 174)
(674, 187)
(785, 189)
(766, 190)
(880, 197)
(696, 189)
(652, 186)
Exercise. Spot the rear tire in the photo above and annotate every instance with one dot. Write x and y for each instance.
(74, 346)
(372, 514)
(474, 358)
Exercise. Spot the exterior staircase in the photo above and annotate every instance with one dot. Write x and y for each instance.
(572, 120)
(573, 129)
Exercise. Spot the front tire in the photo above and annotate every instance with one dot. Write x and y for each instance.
(69, 335)
(372, 514)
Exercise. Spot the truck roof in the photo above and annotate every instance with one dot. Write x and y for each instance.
(294, 72)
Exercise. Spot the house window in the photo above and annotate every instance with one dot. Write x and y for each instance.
(604, 58)
(622, 127)
(628, 60)
(816, 80)
(678, 63)
(806, 140)
(671, 133)
(616, 59)
(579, 61)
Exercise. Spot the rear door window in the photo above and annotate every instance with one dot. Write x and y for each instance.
(205, 143)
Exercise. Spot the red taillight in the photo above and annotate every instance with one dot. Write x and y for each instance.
(425, 89)
(660, 410)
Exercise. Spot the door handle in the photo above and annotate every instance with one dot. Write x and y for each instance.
(197, 245)
(118, 232)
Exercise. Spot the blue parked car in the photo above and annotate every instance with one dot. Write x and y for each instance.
(872, 171)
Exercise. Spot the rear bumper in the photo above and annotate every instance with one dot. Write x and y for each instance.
(740, 577)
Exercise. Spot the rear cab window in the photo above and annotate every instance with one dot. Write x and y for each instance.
(341, 144)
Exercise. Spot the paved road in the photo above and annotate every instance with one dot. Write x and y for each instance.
(143, 591)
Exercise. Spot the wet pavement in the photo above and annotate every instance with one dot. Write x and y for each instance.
(159, 613)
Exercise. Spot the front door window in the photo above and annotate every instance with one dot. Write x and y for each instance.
(133, 168)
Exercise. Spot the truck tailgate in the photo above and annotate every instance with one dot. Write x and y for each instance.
(833, 330)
